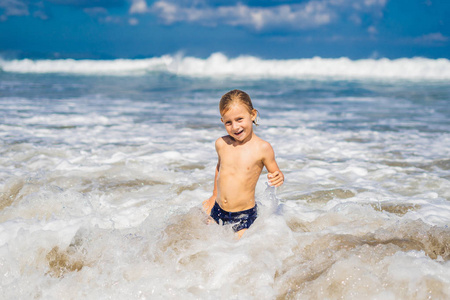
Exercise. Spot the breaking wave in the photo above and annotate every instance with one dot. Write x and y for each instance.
(247, 67)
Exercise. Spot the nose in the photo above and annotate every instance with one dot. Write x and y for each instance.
(234, 126)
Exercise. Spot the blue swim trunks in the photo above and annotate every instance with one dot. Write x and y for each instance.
(242, 219)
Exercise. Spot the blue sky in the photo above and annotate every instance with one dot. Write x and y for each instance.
(267, 29)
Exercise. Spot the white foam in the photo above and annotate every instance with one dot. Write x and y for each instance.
(104, 67)
(246, 67)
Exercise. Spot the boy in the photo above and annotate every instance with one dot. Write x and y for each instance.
(241, 158)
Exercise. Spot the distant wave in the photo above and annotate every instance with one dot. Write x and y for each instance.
(247, 67)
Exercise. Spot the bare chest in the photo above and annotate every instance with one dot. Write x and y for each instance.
(240, 160)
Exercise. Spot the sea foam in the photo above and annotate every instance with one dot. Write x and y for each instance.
(245, 67)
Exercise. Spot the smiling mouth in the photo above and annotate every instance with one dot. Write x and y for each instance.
(239, 132)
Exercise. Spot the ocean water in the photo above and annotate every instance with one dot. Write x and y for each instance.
(104, 165)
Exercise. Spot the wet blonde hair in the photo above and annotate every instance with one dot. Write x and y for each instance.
(237, 96)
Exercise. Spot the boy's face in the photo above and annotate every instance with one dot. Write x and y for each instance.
(239, 122)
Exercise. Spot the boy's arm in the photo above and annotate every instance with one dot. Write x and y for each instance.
(209, 203)
(275, 176)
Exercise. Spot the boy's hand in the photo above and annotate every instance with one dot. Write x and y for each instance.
(208, 204)
(276, 178)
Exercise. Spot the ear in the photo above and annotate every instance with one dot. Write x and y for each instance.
(221, 119)
(254, 114)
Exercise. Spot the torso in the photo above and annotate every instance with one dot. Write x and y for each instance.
(240, 167)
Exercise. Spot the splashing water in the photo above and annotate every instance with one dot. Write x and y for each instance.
(102, 179)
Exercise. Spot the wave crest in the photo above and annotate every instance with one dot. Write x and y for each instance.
(245, 67)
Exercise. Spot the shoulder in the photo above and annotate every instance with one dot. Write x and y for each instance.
(222, 141)
(264, 145)
(265, 148)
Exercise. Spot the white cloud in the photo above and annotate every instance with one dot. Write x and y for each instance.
(309, 15)
(312, 14)
(40, 14)
(13, 8)
(375, 2)
(138, 7)
(95, 11)
(432, 38)
(133, 21)
(372, 30)
(110, 19)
